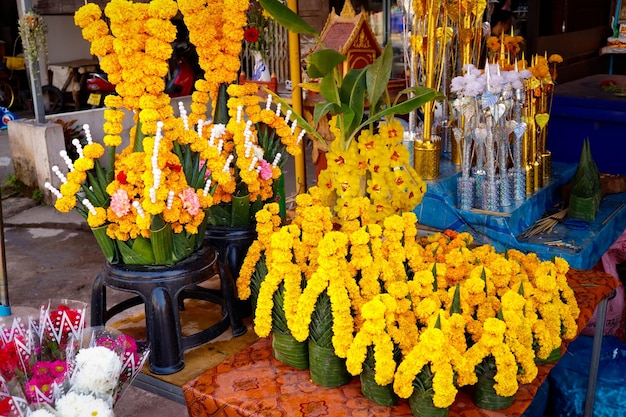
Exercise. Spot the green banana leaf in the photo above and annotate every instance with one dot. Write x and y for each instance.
(161, 240)
(286, 17)
(139, 254)
(184, 244)
(139, 136)
(240, 210)
(322, 63)
(221, 107)
(377, 77)
(106, 243)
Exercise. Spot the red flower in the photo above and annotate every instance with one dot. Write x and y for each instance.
(5, 406)
(9, 360)
(251, 34)
(121, 177)
(173, 167)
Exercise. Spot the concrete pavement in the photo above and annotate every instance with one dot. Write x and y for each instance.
(52, 255)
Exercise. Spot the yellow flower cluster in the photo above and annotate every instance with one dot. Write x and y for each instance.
(135, 33)
(174, 168)
(504, 49)
(454, 310)
(216, 30)
(376, 166)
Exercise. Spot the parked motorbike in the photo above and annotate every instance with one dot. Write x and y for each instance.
(98, 87)
(179, 82)
(182, 76)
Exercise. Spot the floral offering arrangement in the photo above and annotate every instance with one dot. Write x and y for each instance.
(259, 32)
(55, 367)
(502, 135)
(151, 202)
(367, 157)
(428, 314)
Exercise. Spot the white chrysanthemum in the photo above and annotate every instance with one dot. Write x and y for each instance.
(218, 130)
(78, 405)
(97, 371)
(41, 413)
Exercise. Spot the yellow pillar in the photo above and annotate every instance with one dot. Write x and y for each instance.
(296, 97)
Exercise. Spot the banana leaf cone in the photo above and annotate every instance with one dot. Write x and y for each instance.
(584, 202)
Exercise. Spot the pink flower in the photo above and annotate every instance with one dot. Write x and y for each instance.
(127, 343)
(207, 173)
(58, 370)
(191, 202)
(120, 203)
(107, 342)
(266, 170)
(42, 368)
(42, 383)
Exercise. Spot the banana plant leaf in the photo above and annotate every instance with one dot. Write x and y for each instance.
(161, 240)
(286, 17)
(139, 254)
(184, 244)
(106, 244)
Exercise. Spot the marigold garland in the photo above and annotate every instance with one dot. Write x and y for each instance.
(496, 312)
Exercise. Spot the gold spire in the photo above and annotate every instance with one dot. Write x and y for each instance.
(348, 10)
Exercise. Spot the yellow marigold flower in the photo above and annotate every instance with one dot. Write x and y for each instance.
(83, 164)
(87, 14)
(65, 204)
(93, 151)
(76, 176)
(555, 59)
(69, 188)
(98, 218)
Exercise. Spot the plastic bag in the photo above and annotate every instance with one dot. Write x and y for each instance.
(569, 378)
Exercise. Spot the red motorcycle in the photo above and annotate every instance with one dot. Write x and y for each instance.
(182, 76)
(98, 87)
(179, 82)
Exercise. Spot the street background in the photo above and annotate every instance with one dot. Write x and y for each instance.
(52, 255)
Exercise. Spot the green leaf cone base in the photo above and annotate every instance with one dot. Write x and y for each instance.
(381, 395)
(421, 404)
(326, 368)
(486, 397)
(289, 351)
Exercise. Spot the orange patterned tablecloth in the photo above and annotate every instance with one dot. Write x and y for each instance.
(253, 383)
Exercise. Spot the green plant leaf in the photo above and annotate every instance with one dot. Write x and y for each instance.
(456, 301)
(221, 107)
(322, 109)
(422, 96)
(98, 192)
(184, 245)
(161, 240)
(313, 87)
(287, 18)
(139, 136)
(378, 75)
(241, 210)
(302, 123)
(219, 215)
(106, 243)
(350, 122)
(352, 93)
(139, 254)
(323, 62)
(329, 90)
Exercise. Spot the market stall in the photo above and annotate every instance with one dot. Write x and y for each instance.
(252, 382)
